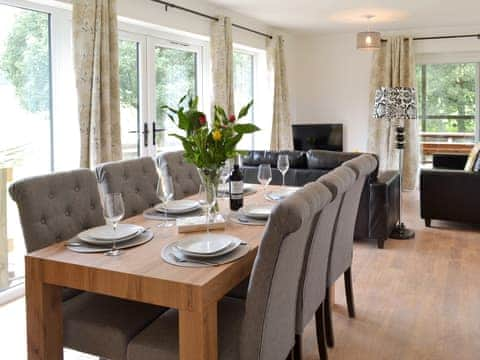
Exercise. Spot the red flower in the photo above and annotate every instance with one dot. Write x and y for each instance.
(202, 120)
(232, 118)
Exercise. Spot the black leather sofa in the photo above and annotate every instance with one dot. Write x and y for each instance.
(379, 205)
(448, 192)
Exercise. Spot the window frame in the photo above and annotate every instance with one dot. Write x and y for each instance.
(256, 85)
(60, 19)
(457, 58)
(149, 38)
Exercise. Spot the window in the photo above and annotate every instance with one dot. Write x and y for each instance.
(176, 74)
(243, 82)
(447, 107)
(129, 97)
(26, 125)
(39, 127)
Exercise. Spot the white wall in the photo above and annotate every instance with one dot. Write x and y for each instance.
(332, 77)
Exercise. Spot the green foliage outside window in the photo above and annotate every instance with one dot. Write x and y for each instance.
(450, 90)
(25, 60)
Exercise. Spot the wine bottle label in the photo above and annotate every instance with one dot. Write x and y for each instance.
(236, 189)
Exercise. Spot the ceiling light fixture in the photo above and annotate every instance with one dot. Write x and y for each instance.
(369, 40)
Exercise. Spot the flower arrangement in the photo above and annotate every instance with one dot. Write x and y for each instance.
(209, 146)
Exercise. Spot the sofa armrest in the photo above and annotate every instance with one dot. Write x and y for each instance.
(450, 161)
(450, 195)
(384, 205)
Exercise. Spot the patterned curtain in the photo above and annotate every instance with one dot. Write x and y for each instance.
(281, 122)
(222, 64)
(95, 42)
(393, 66)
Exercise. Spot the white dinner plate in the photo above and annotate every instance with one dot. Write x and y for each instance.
(233, 246)
(90, 240)
(106, 232)
(178, 206)
(202, 244)
(258, 211)
(279, 194)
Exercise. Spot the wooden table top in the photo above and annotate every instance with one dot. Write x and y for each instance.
(139, 271)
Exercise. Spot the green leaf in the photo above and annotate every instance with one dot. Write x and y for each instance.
(244, 111)
(246, 128)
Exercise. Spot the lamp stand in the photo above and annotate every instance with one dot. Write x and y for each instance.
(401, 232)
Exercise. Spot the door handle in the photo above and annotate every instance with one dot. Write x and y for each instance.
(144, 132)
(155, 131)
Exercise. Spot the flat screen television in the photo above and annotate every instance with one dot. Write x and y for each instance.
(318, 137)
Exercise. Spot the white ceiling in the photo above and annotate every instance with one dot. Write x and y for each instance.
(348, 15)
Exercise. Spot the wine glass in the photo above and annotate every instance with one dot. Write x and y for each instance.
(225, 172)
(113, 212)
(207, 199)
(264, 175)
(165, 194)
(283, 165)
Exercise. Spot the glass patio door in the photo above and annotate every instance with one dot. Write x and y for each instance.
(178, 70)
(154, 72)
(25, 124)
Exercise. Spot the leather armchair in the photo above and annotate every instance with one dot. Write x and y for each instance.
(447, 192)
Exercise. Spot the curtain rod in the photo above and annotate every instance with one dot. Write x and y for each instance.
(448, 37)
(198, 13)
(445, 37)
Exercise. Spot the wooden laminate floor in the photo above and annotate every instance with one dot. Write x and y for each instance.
(416, 299)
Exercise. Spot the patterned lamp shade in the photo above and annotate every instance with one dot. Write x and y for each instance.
(395, 103)
(369, 40)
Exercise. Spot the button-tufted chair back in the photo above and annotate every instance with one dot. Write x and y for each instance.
(315, 267)
(135, 179)
(185, 178)
(269, 325)
(56, 207)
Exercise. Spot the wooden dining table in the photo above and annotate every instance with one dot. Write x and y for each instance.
(138, 274)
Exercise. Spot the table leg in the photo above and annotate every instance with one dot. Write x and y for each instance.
(198, 334)
(44, 315)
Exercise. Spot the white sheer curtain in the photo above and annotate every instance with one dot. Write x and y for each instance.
(222, 64)
(281, 138)
(95, 42)
(394, 66)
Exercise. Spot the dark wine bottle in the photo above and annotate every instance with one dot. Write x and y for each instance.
(236, 187)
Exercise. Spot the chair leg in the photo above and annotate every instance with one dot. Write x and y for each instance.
(349, 292)
(290, 355)
(327, 309)
(428, 222)
(321, 337)
(297, 350)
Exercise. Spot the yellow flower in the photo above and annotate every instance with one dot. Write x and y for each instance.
(217, 135)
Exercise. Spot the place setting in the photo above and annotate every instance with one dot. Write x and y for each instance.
(168, 210)
(113, 237)
(204, 249)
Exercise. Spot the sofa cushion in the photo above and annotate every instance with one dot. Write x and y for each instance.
(324, 159)
(297, 159)
(476, 165)
(472, 158)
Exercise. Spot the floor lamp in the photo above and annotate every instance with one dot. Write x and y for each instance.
(397, 105)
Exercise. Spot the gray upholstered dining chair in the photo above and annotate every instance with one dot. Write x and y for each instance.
(135, 179)
(313, 283)
(54, 208)
(185, 178)
(353, 173)
(262, 326)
